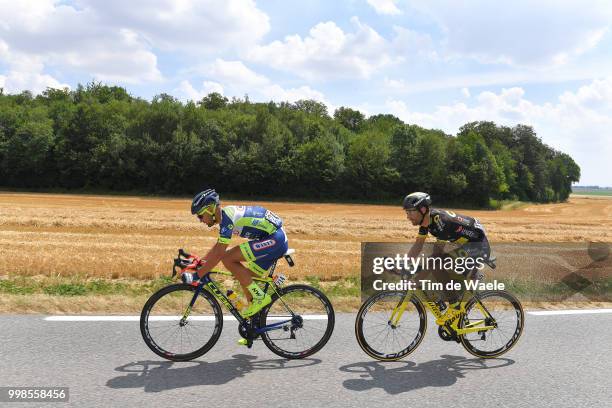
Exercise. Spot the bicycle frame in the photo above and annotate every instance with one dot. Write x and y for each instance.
(207, 283)
(476, 326)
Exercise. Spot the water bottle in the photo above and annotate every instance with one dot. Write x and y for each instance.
(233, 297)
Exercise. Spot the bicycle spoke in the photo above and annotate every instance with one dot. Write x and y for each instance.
(378, 337)
(167, 337)
(507, 318)
(301, 301)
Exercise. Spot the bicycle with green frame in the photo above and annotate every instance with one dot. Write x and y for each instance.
(391, 324)
(181, 322)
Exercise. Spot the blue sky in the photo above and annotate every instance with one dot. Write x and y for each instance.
(438, 64)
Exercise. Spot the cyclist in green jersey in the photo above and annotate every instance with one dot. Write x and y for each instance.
(267, 242)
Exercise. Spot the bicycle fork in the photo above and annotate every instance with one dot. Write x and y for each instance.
(397, 313)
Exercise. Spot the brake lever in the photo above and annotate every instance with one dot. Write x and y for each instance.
(176, 263)
(180, 264)
(183, 261)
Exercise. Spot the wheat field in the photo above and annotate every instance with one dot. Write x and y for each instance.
(48, 240)
(136, 238)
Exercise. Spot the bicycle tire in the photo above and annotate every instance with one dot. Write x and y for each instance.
(368, 306)
(153, 340)
(470, 341)
(279, 304)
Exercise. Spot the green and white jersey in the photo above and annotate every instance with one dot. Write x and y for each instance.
(250, 222)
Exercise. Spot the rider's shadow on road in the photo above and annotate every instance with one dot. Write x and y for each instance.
(156, 376)
(411, 376)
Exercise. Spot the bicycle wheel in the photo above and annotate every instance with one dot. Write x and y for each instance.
(169, 335)
(492, 308)
(382, 338)
(309, 321)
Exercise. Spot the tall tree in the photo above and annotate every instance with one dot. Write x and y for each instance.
(349, 118)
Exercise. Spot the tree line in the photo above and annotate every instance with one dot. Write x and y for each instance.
(100, 137)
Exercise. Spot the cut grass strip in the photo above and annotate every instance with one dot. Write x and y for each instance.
(600, 290)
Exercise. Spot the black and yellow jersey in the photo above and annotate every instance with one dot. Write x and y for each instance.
(451, 227)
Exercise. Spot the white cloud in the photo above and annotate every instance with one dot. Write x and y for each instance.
(188, 92)
(116, 40)
(3, 49)
(236, 74)
(410, 43)
(508, 77)
(385, 6)
(193, 26)
(578, 123)
(277, 93)
(236, 79)
(25, 73)
(36, 82)
(597, 96)
(397, 84)
(522, 32)
(210, 87)
(69, 38)
(327, 52)
(465, 92)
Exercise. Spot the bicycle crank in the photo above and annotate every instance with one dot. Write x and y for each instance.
(447, 334)
(248, 331)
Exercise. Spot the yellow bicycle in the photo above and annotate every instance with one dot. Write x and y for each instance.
(391, 324)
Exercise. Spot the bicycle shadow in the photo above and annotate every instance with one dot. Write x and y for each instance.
(157, 376)
(410, 376)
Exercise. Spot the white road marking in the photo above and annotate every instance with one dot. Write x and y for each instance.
(160, 318)
(568, 312)
(273, 318)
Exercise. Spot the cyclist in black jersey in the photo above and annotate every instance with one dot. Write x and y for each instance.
(448, 227)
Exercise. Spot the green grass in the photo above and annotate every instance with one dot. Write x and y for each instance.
(16, 288)
(75, 287)
(344, 288)
(65, 289)
(600, 289)
(598, 192)
(505, 205)
(313, 281)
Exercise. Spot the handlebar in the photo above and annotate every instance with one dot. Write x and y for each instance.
(184, 261)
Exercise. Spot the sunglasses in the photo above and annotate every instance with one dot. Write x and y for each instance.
(210, 210)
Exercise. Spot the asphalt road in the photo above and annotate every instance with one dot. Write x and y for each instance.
(560, 361)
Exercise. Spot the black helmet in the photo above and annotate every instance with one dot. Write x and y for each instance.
(203, 200)
(417, 200)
